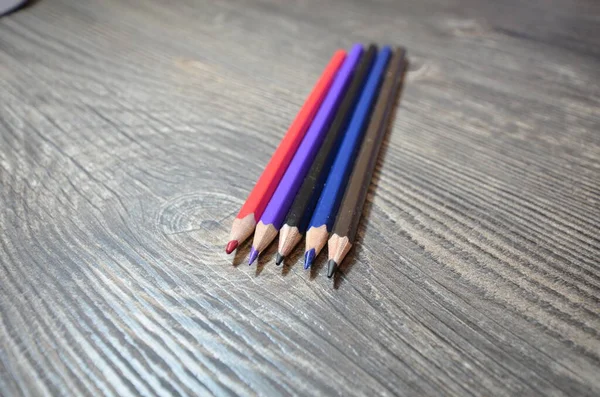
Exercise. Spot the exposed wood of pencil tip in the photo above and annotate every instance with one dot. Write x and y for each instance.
(316, 238)
(289, 237)
(338, 247)
(242, 228)
(263, 236)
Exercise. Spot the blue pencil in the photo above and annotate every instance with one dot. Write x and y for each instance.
(326, 210)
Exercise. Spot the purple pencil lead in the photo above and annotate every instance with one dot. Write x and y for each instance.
(253, 255)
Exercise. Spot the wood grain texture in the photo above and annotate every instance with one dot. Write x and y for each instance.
(131, 131)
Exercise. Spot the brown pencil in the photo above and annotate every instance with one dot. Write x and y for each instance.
(346, 224)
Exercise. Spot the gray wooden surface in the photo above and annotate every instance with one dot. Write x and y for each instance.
(131, 132)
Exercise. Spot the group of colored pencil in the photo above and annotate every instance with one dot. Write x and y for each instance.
(316, 182)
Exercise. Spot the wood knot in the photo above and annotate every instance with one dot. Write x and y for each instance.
(198, 223)
(463, 27)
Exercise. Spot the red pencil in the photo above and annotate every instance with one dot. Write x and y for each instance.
(255, 204)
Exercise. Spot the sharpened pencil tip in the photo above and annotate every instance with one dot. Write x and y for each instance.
(231, 246)
(253, 255)
(331, 268)
(279, 259)
(309, 257)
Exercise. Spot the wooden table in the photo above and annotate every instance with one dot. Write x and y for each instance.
(132, 131)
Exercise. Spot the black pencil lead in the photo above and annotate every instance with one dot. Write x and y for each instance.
(331, 268)
(279, 259)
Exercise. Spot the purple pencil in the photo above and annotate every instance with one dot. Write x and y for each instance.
(274, 215)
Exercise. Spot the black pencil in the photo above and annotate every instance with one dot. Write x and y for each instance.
(346, 225)
(301, 210)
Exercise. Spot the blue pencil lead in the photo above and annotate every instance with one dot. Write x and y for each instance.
(309, 257)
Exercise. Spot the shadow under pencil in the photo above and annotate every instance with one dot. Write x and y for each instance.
(296, 258)
(241, 253)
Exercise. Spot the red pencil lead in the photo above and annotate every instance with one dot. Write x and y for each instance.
(231, 246)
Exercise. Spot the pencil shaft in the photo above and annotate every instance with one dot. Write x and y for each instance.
(327, 206)
(268, 181)
(354, 198)
(279, 204)
(305, 201)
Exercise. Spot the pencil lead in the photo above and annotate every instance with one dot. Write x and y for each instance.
(279, 259)
(309, 257)
(253, 255)
(231, 246)
(331, 268)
